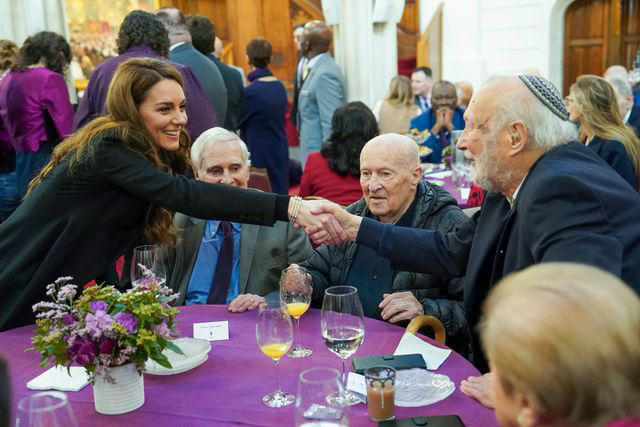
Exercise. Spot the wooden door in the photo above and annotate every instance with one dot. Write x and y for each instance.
(598, 34)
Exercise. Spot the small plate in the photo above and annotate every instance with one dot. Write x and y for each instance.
(196, 352)
(419, 387)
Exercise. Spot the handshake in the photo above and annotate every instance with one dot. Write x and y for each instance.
(324, 222)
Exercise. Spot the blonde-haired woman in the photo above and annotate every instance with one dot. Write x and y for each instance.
(592, 103)
(572, 358)
(395, 112)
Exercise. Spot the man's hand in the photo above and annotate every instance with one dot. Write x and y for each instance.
(400, 306)
(444, 120)
(245, 302)
(348, 224)
(321, 226)
(479, 388)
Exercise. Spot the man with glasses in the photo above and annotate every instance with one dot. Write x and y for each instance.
(443, 117)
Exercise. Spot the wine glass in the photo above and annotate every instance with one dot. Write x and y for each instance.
(343, 331)
(312, 409)
(148, 263)
(47, 408)
(295, 293)
(275, 335)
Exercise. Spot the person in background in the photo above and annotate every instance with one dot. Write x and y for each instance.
(9, 197)
(394, 194)
(256, 255)
(297, 77)
(547, 366)
(395, 112)
(464, 90)
(117, 181)
(262, 117)
(421, 83)
(592, 103)
(629, 112)
(34, 103)
(203, 36)
(142, 35)
(334, 172)
(321, 90)
(181, 50)
(217, 52)
(443, 117)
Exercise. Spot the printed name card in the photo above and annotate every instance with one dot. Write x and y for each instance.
(357, 384)
(211, 331)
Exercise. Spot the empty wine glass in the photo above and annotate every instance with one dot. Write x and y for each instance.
(295, 293)
(312, 408)
(47, 408)
(343, 331)
(148, 264)
(274, 335)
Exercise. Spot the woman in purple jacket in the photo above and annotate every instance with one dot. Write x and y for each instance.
(34, 103)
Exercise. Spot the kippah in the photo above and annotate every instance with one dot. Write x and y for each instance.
(546, 92)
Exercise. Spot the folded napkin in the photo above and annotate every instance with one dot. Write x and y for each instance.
(57, 378)
(433, 356)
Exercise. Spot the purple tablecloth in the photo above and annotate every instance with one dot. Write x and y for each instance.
(227, 388)
(447, 184)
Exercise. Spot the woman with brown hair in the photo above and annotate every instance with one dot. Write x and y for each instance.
(592, 103)
(395, 112)
(113, 182)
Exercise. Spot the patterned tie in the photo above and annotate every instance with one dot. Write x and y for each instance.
(442, 137)
(222, 278)
(305, 73)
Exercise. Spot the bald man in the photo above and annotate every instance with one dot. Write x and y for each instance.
(321, 88)
(394, 194)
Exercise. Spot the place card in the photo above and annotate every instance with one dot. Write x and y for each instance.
(357, 385)
(433, 356)
(464, 193)
(211, 331)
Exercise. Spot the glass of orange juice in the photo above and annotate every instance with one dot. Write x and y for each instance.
(295, 293)
(274, 335)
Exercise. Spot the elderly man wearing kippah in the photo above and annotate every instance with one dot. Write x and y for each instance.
(548, 198)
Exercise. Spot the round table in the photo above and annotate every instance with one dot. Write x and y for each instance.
(228, 387)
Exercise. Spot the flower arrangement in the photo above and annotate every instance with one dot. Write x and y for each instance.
(103, 327)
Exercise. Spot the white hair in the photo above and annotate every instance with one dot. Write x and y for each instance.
(211, 136)
(620, 83)
(546, 130)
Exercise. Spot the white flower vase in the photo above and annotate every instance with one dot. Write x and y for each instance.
(126, 395)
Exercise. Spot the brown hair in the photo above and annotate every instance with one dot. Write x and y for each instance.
(598, 106)
(259, 52)
(129, 87)
(400, 91)
(568, 336)
(8, 54)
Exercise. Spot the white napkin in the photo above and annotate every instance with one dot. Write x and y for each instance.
(57, 378)
(438, 175)
(433, 356)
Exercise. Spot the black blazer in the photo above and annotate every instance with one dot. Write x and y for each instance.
(634, 119)
(616, 156)
(235, 87)
(571, 207)
(78, 222)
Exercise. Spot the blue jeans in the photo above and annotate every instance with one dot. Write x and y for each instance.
(28, 165)
(9, 197)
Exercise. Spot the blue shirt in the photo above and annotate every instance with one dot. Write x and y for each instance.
(425, 121)
(205, 265)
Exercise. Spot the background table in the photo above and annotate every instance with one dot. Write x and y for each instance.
(448, 184)
(228, 387)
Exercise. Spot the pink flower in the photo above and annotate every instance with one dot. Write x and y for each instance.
(82, 351)
(106, 345)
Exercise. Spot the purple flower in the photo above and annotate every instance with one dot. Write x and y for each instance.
(82, 351)
(68, 319)
(128, 321)
(98, 306)
(97, 323)
(162, 330)
(106, 345)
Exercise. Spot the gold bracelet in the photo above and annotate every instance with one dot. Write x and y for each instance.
(295, 208)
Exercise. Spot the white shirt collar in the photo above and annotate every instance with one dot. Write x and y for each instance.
(626, 116)
(173, 46)
(313, 61)
(515, 193)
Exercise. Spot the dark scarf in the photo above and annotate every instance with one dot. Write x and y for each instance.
(257, 73)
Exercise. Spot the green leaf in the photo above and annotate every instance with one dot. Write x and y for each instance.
(171, 346)
(161, 360)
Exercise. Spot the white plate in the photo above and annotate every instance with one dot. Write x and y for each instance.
(419, 387)
(195, 353)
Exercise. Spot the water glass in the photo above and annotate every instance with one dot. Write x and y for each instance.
(45, 409)
(149, 262)
(295, 293)
(312, 407)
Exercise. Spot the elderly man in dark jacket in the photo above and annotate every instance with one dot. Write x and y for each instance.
(393, 193)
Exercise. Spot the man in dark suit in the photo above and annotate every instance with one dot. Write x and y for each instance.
(203, 36)
(443, 117)
(183, 52)
(256, 254)
(630, 113)
(421, 82)
(549, 199)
